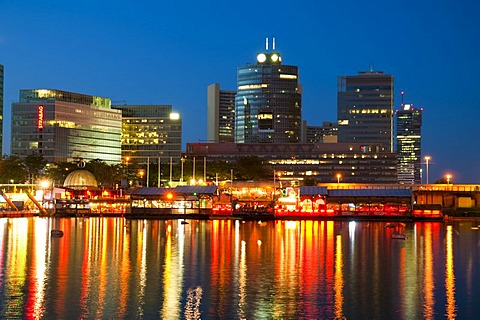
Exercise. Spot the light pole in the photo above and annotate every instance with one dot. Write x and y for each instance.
(274, 187)
(127, 159)
(448, 176)
(182, 160)
(427, 158)
(338, 178)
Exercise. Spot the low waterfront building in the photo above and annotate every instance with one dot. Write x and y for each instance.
(329, 162)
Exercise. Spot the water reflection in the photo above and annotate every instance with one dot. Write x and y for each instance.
(450, 276)
(112, 267)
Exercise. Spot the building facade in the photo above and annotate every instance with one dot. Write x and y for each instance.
(150, 132)
(326, 133)
(268, 104)
(365, 110)
(409, 136)
(220, 114)
(321, 162)
(65, 126)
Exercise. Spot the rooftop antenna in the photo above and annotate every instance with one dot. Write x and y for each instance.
(266, 44)
(273, 44)
(402, 93)
(371, 67)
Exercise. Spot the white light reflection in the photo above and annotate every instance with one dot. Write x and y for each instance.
(242, 282)
(143, 274)
(41, 231)
(192, 308)
(351, 231)
(173, 274)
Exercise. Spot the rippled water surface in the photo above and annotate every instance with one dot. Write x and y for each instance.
(115, 268)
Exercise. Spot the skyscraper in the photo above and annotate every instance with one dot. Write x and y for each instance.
(150, 131)
(365, 110)
(1, 109)
(409, 124)
(220, 114)
(268, 104)
(65, 126)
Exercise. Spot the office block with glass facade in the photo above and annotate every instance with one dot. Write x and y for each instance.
(65, 126)
(365, 110)
(268, 104)
(220, 114)
(150, 132)
(409, 125)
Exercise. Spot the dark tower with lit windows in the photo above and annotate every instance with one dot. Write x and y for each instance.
(409, 136)
(268, 104)
(365, 110)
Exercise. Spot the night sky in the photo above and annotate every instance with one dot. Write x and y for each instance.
(168, 52)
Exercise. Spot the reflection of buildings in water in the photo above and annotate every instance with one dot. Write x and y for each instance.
(428, 274)
(338, 286)
(242, 282)
(192, 307)
(451, 306)
(173, 274)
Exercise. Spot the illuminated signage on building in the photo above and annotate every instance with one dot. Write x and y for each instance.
(41, 117)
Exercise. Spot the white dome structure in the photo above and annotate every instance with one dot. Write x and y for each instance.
(80, 180)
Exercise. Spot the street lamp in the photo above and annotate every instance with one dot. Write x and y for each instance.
(427, 158)
(448, 176)
(127, 159)
(338, 177)
(141, 173)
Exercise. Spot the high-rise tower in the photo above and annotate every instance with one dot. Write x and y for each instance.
(409, 124)
(268, 104)
(220, 114)
(365, 110)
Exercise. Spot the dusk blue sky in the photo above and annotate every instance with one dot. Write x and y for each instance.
(168, 52)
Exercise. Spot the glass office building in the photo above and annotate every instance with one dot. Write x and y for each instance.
(65, 126)
(268, 104)
(409, 125)
(365, 110)
(150, 132)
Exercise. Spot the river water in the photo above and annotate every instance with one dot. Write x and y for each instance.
(115, 268)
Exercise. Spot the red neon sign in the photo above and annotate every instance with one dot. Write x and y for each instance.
(41, 117)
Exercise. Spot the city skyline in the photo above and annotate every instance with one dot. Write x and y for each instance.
(156, 53)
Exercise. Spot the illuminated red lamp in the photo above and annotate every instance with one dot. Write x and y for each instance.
(417, 213)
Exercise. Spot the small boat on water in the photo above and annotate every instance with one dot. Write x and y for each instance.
(399, 236)
(183, 222)
(56, 233)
